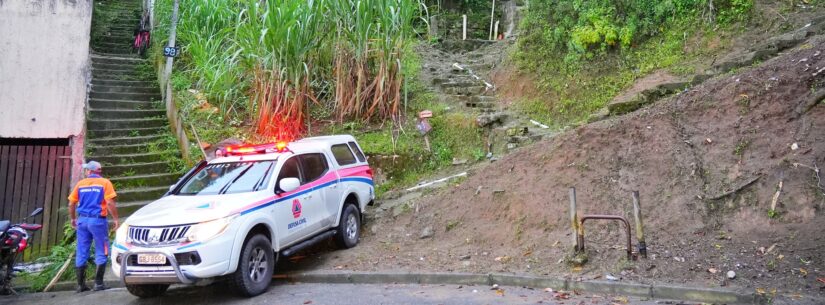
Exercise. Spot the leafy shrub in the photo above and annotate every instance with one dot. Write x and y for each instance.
(586, 28)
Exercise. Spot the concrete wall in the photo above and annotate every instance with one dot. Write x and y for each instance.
(44, 67)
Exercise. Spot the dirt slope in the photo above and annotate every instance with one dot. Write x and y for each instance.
(679, 153)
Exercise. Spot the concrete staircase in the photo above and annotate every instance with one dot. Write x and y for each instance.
(459, 71)
(126, 123)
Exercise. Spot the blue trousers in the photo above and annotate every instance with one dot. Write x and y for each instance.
(88, 230)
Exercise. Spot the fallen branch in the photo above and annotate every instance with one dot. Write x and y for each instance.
(427, 184)
(59, 273)
(775, 198)
(735, 190)
(816, 174)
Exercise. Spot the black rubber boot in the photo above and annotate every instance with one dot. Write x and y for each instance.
(99, 272)
(81, 279)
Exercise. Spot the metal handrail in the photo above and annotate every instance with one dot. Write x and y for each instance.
(580, 231)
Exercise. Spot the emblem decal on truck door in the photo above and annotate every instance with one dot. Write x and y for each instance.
(296, 208)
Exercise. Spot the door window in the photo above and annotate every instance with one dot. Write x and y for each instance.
(290, 169)
(314, 165)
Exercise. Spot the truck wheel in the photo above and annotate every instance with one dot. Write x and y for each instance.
(349, 228)
(254, 273)
(147, 291)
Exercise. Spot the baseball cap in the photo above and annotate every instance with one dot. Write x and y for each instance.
(92, 165)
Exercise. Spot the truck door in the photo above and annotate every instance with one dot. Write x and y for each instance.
(316, 171)
(289, 215)
(318, 165)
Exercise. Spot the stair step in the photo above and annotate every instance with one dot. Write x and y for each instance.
(125, 96)
(124, 140)
(132, 169)
(123, 104)
(127, 77)
(123, 83)
(119, 52)
(113, 45)
(118, 149)
(125, 24)
(124, 89)
(157, 180)
(116, 69)
(467, 83)
(111, 160)
(125, 114)
(131, 65)
(114, 40)
(115, 72)
(476, 101)
(106, 124)
(115, 58)
(121, 32)
(118, 36)
(126, 132)
(471, 90)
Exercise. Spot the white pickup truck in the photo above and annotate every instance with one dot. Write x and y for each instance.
(234, 216)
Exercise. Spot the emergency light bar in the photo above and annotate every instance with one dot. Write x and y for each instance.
(257, 149)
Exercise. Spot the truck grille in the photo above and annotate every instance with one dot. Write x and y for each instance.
(157, 236)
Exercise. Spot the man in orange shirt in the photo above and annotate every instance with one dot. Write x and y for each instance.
(93, 198)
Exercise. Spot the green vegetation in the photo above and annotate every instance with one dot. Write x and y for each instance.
(167, 146)
(57, 256)
(452, 224)
(741, 147)
(454, 135)
(587, 28)
(597, 49)
(266, 64)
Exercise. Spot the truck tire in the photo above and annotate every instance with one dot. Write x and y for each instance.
(255, 268)
(148, 290)
(349, 228)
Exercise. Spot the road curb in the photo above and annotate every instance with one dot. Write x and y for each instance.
(695, 294)
(705, 295)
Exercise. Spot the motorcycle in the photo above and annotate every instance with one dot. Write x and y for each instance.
(14, 239)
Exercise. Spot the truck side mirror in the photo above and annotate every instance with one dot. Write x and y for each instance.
(287, 185)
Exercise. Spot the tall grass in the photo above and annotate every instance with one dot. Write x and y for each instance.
(268, 61)
(369, 43)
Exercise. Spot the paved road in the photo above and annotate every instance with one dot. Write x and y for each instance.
(285, 293)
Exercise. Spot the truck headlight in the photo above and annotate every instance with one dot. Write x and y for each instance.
(208, 230)
(122, 233)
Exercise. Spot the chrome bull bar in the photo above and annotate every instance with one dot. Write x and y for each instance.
(125, 276)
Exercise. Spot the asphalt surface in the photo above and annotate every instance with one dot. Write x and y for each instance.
(286, 293)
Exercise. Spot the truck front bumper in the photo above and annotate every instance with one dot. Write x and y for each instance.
(185, 264)
(157, 275)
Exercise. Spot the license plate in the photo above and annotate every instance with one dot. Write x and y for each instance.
(151, 259)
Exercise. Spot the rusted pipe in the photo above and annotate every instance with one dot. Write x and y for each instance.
(580, 235)
(640, 233)
(574, 221)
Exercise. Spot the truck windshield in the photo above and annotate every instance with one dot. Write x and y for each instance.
(229, 178)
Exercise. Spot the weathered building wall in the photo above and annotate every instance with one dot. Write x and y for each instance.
(44, 67)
